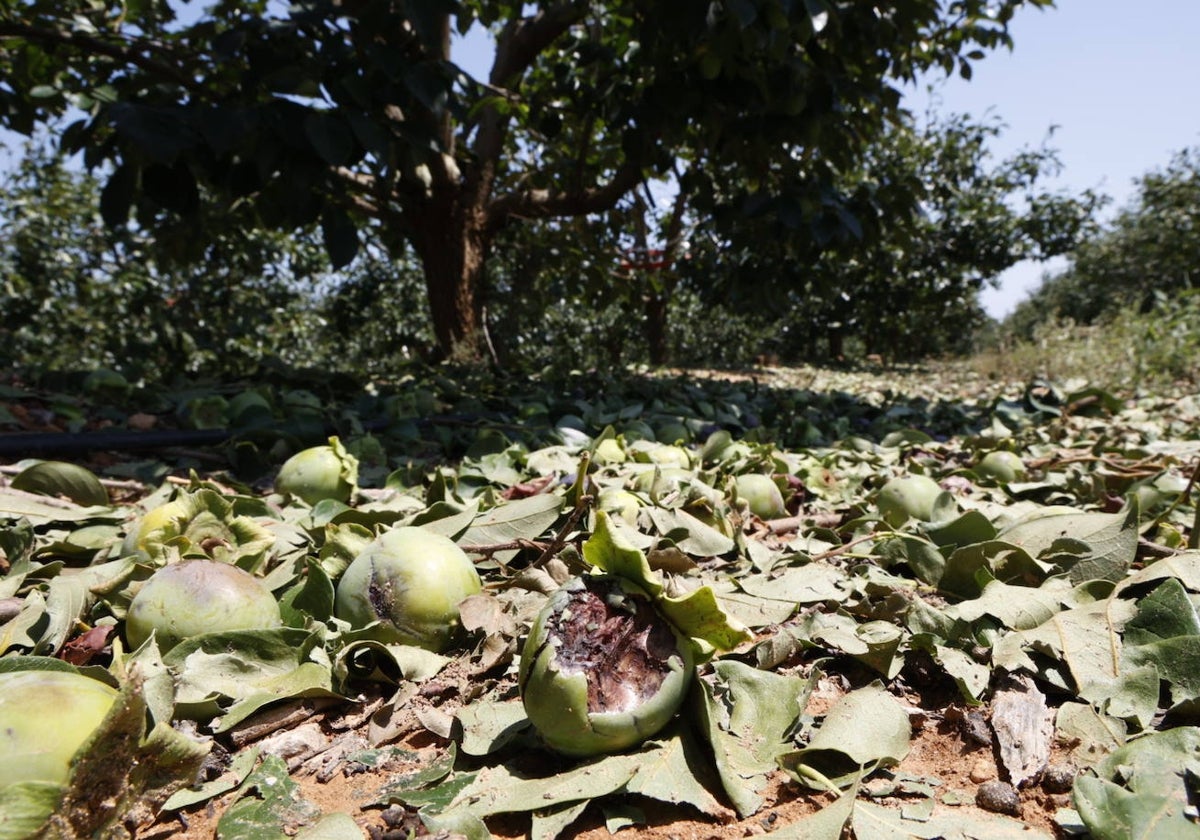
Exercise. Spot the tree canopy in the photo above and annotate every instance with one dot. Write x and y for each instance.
(1148, 250)
(354, 116)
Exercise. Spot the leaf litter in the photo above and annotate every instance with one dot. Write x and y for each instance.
(1039, 632)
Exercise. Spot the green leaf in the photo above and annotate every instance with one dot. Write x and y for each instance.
(1093, 734)
(413, 788)
(268, 800)
(970, 527)
(748, 715)
(70, 596)
(1111, 812)
(1016, 607)
(1087, 639)
(1109, 541)
(699, 616)
(1165, 613)
(336, 826)
(971, 677)
(1141, 789)
(523, 519)
(489, 725)
(810, 583)
(15, 504)
(25, 807)
(1184, 567)
(876, 822)
(674, 770)
(971, 567)
(237, 771)
(608, 550)
(253, 667)
(1174, 660)
(504, 789)
(549, 824)
(330, 137)
(829, 823)
(864, 730)
(689, 533)
(313, 597)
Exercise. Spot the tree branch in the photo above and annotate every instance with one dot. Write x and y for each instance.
(541, 204)
(517, 47)
(128, 53)
(522, 40)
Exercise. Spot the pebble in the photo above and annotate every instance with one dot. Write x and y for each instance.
(982, 771)
(1000, 797)
(1058, 778)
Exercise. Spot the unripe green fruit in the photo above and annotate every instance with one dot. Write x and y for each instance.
(1001, 465)
(411, 581)
(670, 456)
(154, 519)
(45, 717)
(193, 597)
(908, 497)
(762, 495)
(602, 670)
(318, 473)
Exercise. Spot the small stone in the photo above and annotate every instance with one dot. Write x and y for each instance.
(975, 729)
(982, 771)
(1058, 778)
(393, 816)
(999, 797)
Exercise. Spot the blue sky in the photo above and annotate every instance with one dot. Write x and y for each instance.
(1120, 80)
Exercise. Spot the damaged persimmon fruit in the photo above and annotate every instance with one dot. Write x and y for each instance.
(602, 669)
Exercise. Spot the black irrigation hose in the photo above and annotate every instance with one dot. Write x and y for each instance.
(32, 444)
(74, 443)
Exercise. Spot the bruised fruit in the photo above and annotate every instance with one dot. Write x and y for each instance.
(602, 669)
(908, 497)
(45, 717)
(762, 495)
(411, 581)
(193, 597)
(319, 473)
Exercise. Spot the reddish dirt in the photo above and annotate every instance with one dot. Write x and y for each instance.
(939, 751)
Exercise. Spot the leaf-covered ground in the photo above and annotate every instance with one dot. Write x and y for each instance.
(1020, 658)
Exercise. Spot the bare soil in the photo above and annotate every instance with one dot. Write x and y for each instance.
(946, 752)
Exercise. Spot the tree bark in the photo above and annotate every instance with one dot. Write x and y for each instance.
(452, 242)
(656, 327)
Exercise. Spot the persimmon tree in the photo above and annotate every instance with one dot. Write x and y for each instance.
(353, 114)
(901, 277)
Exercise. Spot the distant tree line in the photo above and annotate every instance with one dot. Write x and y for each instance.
(1150, 251)
(660, 277)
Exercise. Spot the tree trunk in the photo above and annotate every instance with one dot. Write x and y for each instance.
(452, 243)
(656, 327)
